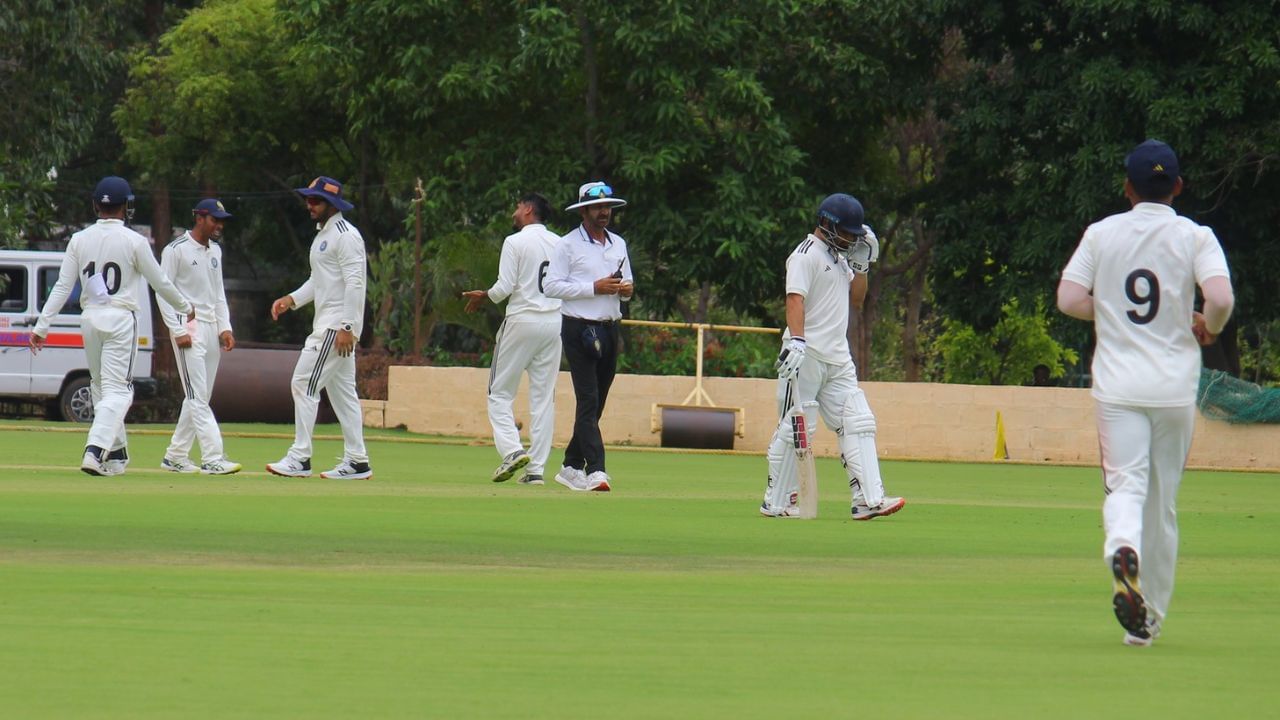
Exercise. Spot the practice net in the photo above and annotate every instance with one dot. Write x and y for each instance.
(1224, 397)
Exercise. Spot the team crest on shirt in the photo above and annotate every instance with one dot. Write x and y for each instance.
(213, 262)
(323, 244)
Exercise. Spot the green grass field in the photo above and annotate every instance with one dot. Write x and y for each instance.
(431, 592)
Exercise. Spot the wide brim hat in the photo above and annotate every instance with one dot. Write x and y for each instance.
(328, 189)
(596, 193)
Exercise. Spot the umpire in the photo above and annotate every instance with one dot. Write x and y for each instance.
(591, 273)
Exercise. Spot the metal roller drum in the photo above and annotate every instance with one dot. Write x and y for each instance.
(706, 428)
(253, 386)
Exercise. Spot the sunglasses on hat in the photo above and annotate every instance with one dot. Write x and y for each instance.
(599, 191)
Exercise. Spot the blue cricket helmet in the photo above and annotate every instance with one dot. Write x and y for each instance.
(112, 190)
(844, 212)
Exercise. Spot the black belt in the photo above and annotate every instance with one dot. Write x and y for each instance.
(605, 323)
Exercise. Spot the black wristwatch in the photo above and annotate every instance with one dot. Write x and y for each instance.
(346, 327)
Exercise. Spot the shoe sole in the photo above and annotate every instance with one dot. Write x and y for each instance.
(357, 476)
(602, 487)
(274, 471)
(192, 471)
(1130, 607)
(92, 471)
(223, 472)
(883, 513)
(569, 485)
(522, 481)
(505, 475)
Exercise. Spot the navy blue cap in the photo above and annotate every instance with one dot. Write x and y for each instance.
(1152, 167)
(112, 190)
(329, 189)
(211, 206)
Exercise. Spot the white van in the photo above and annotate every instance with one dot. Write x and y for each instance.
(59, 375)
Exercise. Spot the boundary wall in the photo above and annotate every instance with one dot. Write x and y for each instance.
(924, 421)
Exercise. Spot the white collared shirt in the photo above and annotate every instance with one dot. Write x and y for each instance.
(337, 279)
(196, 270)
(526, 256)
(577, 263)
(822, 277)
(119, 256)
(1143, 267)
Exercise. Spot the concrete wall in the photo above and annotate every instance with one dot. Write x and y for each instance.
(916, 420)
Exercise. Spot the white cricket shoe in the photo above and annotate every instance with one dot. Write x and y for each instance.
(290, 467)
(532, 479)
(572, 478)
(348, 470)
(220, 467)
(598, 481)
(510, 465)
(183, 466)
(92, 465)
(1152, 632)
(772, 512)
(116, 462)
(887, 506)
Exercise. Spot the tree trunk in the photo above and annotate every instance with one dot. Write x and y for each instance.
(912, 362)
(591, 70)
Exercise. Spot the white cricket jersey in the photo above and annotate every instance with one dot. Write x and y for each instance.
(196, 270)
(822, 277)
(576, 264)
(116, 255)
(526, 255)
(337, 279)
(1143, 267)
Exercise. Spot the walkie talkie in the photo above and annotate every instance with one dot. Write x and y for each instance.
(618, 273)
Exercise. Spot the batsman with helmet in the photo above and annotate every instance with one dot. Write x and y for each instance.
(825, 274)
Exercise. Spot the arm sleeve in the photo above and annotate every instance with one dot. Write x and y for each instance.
(220, 309)
(1214, 280)
(508, 272)
(799, 274)
(559, 283)
(352, 263)
(1080, 269)
(168, 313)
(150, 269)
(67, 275)
(305, 293)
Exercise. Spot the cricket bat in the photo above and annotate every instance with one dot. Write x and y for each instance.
(802, 417)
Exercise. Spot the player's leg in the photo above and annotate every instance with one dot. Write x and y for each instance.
(305, 388)
(511, 353)
(582, 373)
(605, 370)
(190, 364)
(544, 368)
(783, 480)
(338, 377)
(115, 340)
(1124, 438)
(846, 410)
(1171, 432)
(207, 430)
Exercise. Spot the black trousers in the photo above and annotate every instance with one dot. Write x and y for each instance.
(592, 377)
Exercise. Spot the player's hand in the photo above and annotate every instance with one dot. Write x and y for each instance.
(790, 359)
(182, 341)
(345, 343)
(227, 340)
(37, 343)
(475, 298)
(281, 306)
(627, 289)
(191, 316)
(1201, 330)
(608, 286)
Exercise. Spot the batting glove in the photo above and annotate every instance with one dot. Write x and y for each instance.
(790, 358)
(865, 251)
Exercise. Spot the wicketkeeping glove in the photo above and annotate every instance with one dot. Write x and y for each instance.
(790, 358)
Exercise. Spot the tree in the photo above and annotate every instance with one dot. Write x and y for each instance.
(1007, 354)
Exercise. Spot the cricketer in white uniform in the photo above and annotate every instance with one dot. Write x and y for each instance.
(193, 262)
(108, 258)
(328, 361)
(1134, 275)
(528, 341)
(816, 365)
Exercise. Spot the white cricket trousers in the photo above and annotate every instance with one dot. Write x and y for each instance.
(197, 369)
(532, 345)
(111, 344)
(1144, 450)
(321, 368)
(843, 406)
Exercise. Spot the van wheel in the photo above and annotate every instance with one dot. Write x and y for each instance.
(76, 401)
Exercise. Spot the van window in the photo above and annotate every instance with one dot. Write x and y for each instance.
(49, 278)
(13, 289)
